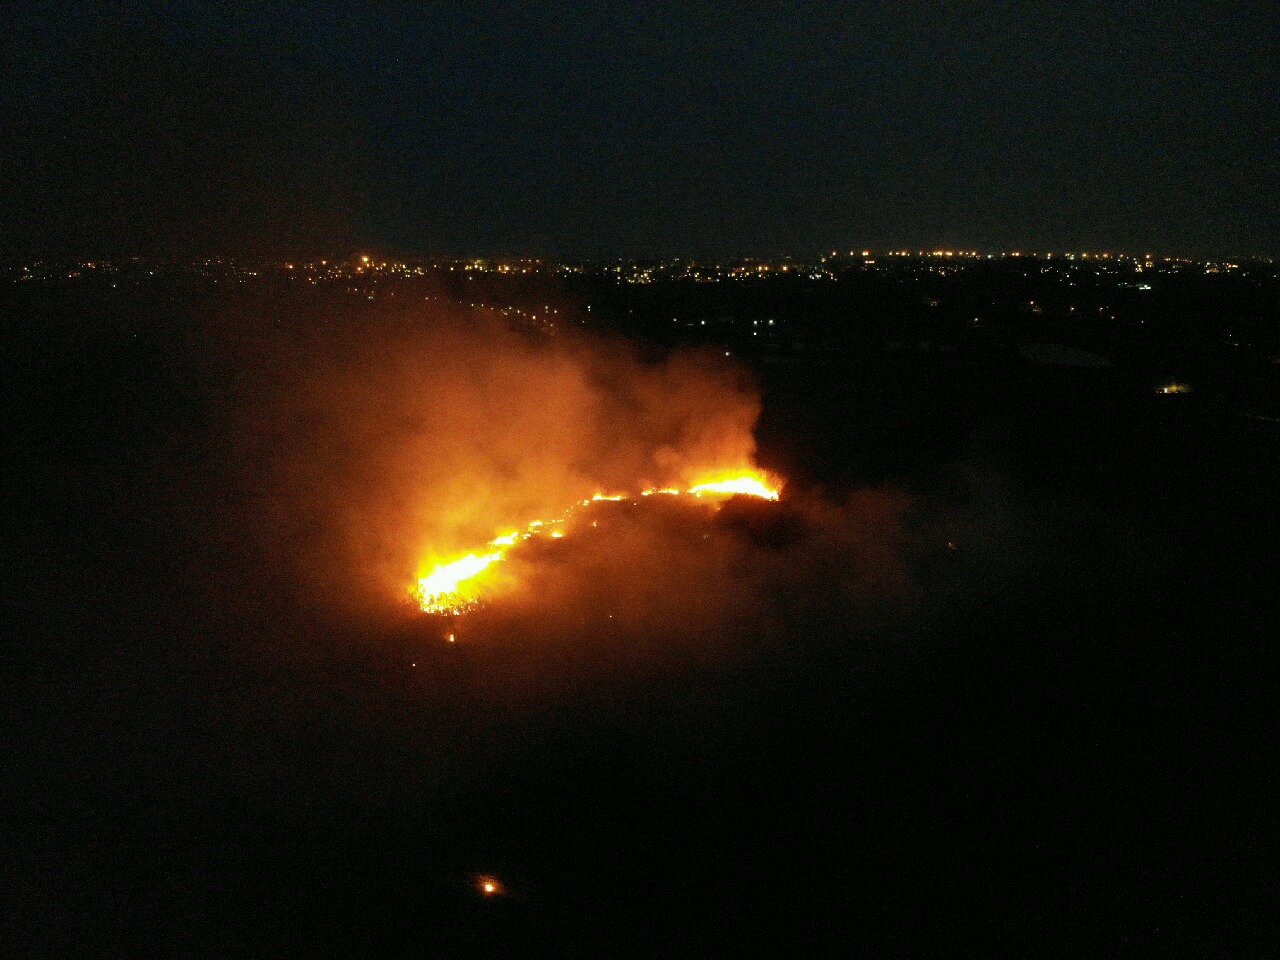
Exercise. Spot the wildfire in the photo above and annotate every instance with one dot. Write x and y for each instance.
(454, 586)
(440, 590)
(736, 486)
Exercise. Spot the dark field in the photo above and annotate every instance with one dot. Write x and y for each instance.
(1053, 741)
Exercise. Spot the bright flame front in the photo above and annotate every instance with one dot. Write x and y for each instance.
(448, 588)
(749, 486)
(453, 587)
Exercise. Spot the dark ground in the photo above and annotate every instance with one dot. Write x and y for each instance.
(1059, 752)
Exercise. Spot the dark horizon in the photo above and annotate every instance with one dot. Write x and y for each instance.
(386, 255)
(576, 131)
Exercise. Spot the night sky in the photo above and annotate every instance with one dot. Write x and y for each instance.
(594, 130)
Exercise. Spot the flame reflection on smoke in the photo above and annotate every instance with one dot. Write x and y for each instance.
(380, 448)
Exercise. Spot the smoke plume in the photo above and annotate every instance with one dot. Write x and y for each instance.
(375, 450)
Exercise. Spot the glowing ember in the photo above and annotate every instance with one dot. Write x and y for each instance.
(454, 587)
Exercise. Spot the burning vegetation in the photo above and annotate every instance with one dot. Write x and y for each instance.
(439, 455)
(457, 585)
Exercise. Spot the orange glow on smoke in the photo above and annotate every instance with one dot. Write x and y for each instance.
(456, 586)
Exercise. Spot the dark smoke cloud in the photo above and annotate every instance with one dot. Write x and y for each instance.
(661, 586)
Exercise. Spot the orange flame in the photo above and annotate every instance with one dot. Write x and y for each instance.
(750, 486)
(443, 591)
(455, 586)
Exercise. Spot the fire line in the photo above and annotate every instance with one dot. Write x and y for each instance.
(452, 587)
